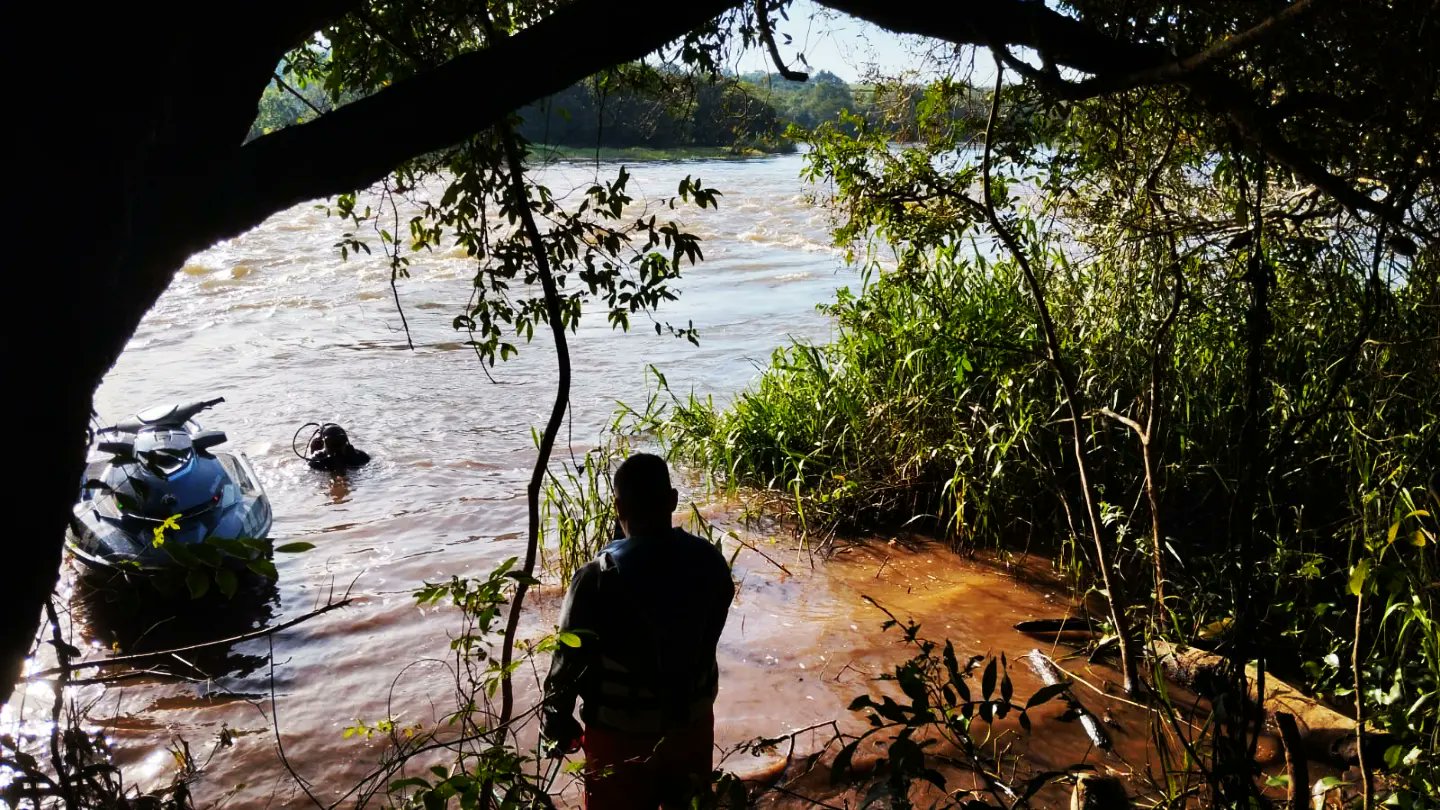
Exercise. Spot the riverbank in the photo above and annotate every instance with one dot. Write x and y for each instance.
(646, 154)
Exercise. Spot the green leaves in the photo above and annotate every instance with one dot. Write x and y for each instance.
(479, 600)
(170, 524)
(932, 673)
(294, 548)
(226, 581)
(264, 568)
(214, 562)
(1047, 693)
(198, 581)
(1358, 573)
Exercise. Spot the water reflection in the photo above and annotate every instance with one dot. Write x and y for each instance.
(138, 619)
(339, 488)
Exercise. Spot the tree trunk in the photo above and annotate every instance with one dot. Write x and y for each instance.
(128, 156)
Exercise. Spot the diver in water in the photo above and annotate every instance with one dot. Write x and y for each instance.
(331, 450)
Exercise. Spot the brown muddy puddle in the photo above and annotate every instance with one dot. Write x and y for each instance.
(800, 645)
(810, 643)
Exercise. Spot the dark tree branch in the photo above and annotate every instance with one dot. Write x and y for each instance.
(1061, 40)
(357, 144)
(767, 36)
(1068, 42)
(1179, 68)
(283, 85)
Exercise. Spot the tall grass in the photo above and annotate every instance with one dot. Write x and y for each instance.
(922, 411)
(932, 406)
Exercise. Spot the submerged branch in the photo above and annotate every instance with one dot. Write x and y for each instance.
(145, 656)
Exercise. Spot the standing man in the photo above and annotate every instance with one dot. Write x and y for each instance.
(649, 611)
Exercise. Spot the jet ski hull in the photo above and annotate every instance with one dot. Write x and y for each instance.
(104, 535)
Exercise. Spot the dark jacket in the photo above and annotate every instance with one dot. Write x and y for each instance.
(341, 461)
(649, 613)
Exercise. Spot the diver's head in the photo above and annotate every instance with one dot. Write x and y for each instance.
(333, 438)
(644, 499)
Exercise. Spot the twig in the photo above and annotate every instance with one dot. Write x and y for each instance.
(130, 675)
(1068, 387)
(767, 557)
(62, 654)
(253, 634)
(1367, 787)
(762, 18)
(279, 744)
(296, 93)
(556, 318)
(802, 797)
(393, 254)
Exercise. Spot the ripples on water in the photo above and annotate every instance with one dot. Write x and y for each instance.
(287, 332)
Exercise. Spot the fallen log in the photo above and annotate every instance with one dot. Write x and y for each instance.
(1070, 624)
(1325, 734)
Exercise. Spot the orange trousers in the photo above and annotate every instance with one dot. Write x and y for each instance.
(647, 771)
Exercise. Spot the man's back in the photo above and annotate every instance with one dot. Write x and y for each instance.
(662, 604)
(649, 611)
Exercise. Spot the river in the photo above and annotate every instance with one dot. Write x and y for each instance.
(288, 332)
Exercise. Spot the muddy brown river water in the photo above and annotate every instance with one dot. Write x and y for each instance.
(277, 323)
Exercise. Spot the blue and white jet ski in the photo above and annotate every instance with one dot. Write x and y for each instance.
(154, 467)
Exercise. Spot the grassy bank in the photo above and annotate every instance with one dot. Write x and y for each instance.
(935, 406)
(643, 154)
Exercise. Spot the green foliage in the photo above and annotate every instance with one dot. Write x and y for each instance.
(939, 703)
(214, 561)
(578, 506)
(1281, 351)
(822, 97)
(599, 250)
(483, 763)
(897, 108)
(926, 407)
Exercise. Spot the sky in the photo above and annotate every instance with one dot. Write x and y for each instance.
(845, 46)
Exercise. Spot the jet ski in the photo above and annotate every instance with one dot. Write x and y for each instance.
(156, 489)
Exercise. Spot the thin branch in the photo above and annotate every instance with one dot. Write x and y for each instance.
(62, 654)
(1170, 71)
(1367, 782)
(1056, 358)
(279, 744)
(767, 557)
(253, 634)
(393, 254)
(296, 93)
(556, 317)
(767, 35)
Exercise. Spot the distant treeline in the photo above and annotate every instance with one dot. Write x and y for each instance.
(641, 106)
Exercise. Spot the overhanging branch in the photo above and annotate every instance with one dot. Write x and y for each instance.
(1117, 65)
(357, 144)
